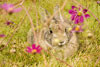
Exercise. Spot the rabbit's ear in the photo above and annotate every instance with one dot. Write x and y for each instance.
(58, 16)
(44, 14)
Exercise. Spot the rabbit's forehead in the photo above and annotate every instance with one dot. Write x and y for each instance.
(56, 28)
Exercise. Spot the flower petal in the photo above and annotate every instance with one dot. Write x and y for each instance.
(77, 19)
(85, 10)
(7, 6)
(77, 30)
(29, 49)
(38, 46)
(81, 30)
(33, 46)
(72, 11)
(2, 35)
(73, 7)
(87, 15)
(73, 16)
(81, 19)
(17, 9)
(39, 50)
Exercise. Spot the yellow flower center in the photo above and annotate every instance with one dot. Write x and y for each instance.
(10, 9)
(79, 13)
(34, 51)
(77, 28)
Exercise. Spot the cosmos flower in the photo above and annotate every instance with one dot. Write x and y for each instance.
(2, 35)
(34, 49)
(77, 29)
(78, 15)
(9, 23)
(10, 8)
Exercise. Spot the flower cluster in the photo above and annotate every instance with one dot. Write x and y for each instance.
(10, 8)
(77, 16)
(34, 49)
(2, 35)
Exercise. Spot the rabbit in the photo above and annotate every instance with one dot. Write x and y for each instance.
(56, 36)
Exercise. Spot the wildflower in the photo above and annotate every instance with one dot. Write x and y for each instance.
(34, 49)
(10, 8)
(2, 35)
(77, 29)
(78, 15)
(9, 23)
(98, 2)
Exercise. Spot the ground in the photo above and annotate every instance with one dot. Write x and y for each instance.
(87, 55)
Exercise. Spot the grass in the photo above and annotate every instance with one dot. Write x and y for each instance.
(86, 56)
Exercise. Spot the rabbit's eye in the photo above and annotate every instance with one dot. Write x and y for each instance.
(65, 29)
(50, 31)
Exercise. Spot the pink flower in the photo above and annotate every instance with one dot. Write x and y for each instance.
(98, 2)
(2, 35)
(77, 29)
(77, 15)
(34, 49)
(10, 8)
